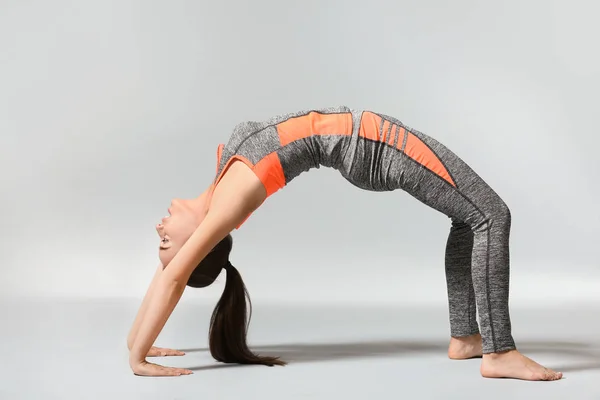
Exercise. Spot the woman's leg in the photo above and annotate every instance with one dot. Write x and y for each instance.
(464, 331)
(473, 202)
(477, 268)
(437, 177)
(490, 270)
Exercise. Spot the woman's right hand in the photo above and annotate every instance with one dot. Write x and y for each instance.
(163, 352)
(145, 368)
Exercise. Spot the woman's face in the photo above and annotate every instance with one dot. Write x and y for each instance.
(176, 228)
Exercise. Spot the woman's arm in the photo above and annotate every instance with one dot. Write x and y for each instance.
(143, 307)
(238, 194)
(154, 351)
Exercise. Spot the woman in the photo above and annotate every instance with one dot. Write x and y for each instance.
(375, 152)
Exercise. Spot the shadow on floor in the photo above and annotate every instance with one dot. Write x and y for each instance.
(315, 352)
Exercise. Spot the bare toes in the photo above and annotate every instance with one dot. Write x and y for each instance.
(550, 375)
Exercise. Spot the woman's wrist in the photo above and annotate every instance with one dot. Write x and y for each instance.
(135, 357)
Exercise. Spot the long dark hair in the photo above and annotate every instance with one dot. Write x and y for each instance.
(231, 317)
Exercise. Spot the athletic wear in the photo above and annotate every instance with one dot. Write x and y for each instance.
(377, 152)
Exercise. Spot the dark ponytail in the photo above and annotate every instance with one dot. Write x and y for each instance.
(231, 317)
(229, 324)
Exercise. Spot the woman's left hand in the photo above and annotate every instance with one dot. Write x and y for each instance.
(163, 352)
(144, 368)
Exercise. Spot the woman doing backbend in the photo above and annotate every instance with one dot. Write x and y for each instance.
(374, 152)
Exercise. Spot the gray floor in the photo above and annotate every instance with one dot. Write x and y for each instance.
(72, 349)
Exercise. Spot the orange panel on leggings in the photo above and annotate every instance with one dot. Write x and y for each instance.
(420, 152)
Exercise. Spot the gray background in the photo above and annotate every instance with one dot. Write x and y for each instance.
(109, 109)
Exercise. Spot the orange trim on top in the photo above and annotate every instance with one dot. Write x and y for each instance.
(418, 151)
(270, 173)
(220, 176)
(314, 123)
(219, 155)
(233, 158)
(268, 170)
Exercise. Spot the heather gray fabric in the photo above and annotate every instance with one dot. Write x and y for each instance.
(477, 251)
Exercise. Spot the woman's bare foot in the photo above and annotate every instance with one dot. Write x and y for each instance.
(463, 348)
(512, 364)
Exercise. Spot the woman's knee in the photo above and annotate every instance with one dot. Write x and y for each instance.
(500, 214)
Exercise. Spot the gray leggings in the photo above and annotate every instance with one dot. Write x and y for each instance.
(477, 251)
